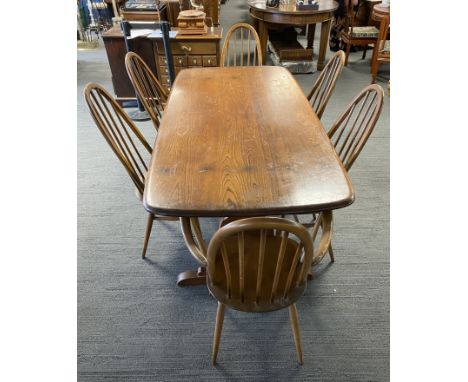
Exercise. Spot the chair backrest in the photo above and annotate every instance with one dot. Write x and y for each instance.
(147, 87)
(351, 8)
(241, 47)
(323, 87)
(351, 130)
(253, 265)
(120, 132)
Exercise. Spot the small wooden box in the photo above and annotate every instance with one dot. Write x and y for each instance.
(143, 10)
(191, 22)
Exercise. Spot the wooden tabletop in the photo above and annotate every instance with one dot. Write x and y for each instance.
(242, 141)
(324, 6)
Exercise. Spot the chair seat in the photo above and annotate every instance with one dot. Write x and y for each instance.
(218, 284)
(364, 32)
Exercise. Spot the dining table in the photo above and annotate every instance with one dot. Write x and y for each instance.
(241, 142)
(289, 13)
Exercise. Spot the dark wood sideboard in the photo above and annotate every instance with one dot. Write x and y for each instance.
(188, 51)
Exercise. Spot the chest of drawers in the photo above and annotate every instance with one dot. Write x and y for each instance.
(188, 51)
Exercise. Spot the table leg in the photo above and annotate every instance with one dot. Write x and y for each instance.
(189, 278)
(310, 36)
(255, 23)
(193, 238)
(263, 36)
(324, 35)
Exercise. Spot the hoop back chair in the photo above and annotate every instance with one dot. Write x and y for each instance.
(254, 266)
(241, 47)
(147, 87)
(356, 35)
(325, 83)
(125, 140)
(353, 128)
(349, 135)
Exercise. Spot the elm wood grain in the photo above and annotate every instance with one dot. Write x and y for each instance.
(233, 142)
(287, 14)
(259, 265)
(380, 55)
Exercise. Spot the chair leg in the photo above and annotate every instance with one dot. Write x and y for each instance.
(296, 333)
(348, 49)
(149, 225)
(364, 52)
(330, 252)
(217, 333)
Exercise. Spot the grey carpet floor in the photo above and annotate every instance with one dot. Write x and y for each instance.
(134, 324)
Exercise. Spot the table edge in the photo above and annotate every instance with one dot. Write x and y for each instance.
(301, 12)
(252, 212)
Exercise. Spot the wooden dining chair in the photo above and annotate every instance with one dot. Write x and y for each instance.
(354, 126)
(352, 34)
(349, 135)
(258, 264)
(125, 140)
(147, 87)
(241, 47)
(382, 50)
(325, 83)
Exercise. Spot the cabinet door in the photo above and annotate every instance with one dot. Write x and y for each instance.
(116, 51)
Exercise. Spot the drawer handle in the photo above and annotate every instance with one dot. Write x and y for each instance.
(209, 61)
(195, 61)
(180, 61)
(186, 48)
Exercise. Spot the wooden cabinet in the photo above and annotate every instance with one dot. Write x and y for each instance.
(188, 51)
(115, 48)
